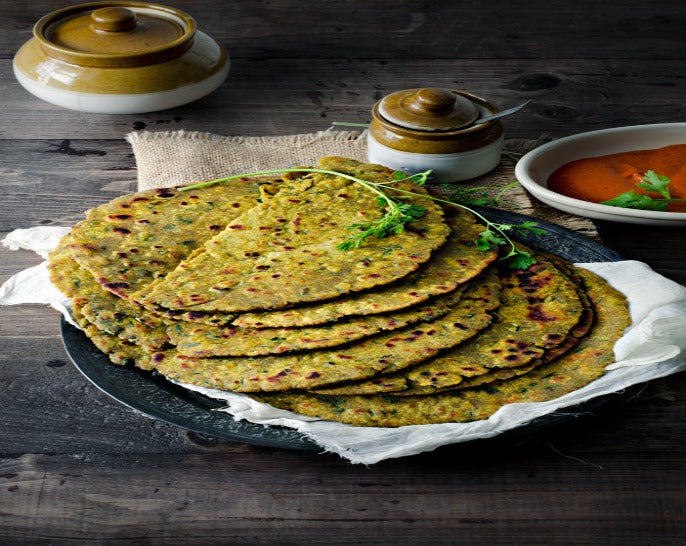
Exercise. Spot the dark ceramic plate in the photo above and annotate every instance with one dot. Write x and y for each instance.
(155, 397)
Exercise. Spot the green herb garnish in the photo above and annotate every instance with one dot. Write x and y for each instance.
(398, 213)
(484, 196)
(348, 124)
(495, 234)
(513, 156)
(392, 222)
(652, 182)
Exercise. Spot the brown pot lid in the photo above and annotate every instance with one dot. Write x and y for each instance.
(428, 109)
(113, 34)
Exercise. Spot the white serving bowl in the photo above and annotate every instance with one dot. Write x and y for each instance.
(534, 168)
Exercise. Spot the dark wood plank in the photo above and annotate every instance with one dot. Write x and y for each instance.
(478, 499)
(348, 29)
(277, 96)
(55, 181)
(662, 247)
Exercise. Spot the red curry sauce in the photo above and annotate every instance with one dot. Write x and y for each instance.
(603, 178)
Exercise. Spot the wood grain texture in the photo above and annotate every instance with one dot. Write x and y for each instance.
(398, 29)
(285, 96)
(426, 501)
(77, 467)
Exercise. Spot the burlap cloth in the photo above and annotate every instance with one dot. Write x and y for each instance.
(166, 159)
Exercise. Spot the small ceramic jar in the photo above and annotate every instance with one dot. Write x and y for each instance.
(415, 130)
(120, 58)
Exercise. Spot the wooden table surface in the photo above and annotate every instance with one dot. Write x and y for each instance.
(76, 465)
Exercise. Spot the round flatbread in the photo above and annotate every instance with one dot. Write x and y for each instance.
(134, 239)
(539, 307)
(206, 340)
(384, 352)
(572, 371)
(456, 262)
(102, 309)
(285, 250)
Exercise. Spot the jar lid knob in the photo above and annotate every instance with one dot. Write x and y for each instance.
(430, 100)
(113, 19)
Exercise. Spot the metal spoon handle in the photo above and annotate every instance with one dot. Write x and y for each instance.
(502, 113)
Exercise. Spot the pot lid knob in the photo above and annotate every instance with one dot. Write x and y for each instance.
(113, 19)
(428, 109)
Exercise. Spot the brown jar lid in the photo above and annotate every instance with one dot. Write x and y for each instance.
(470, 136)
(428, 109)
(115, 34)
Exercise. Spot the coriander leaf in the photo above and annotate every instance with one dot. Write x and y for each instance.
(413, 211)
(484, 196)
(519, 259)
(472, 196)
(528, 227)
(633, 200)
(393, 221)
(622, 200)
(489, 239)
(348, 244)
(420, 178)
(656, 182)
(653, 182)
(513, 156)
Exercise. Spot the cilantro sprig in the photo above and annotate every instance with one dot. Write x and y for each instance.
(397, 213)
(483, 196)
(392, 222)
(652, 182)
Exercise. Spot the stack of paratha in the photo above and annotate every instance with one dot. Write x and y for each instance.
(241, 286)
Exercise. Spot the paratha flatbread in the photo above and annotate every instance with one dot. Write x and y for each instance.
(119, 351)
(102, 309)
(286, 251)
(539, 307)
(454, 263)
(381, 353)
(129, 242)
(568, 373)
(481, 376)
(206, 340)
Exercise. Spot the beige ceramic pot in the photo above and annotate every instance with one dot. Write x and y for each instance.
(120, 58)
(415, 130)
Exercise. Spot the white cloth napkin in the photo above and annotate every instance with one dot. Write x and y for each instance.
(654, 346)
